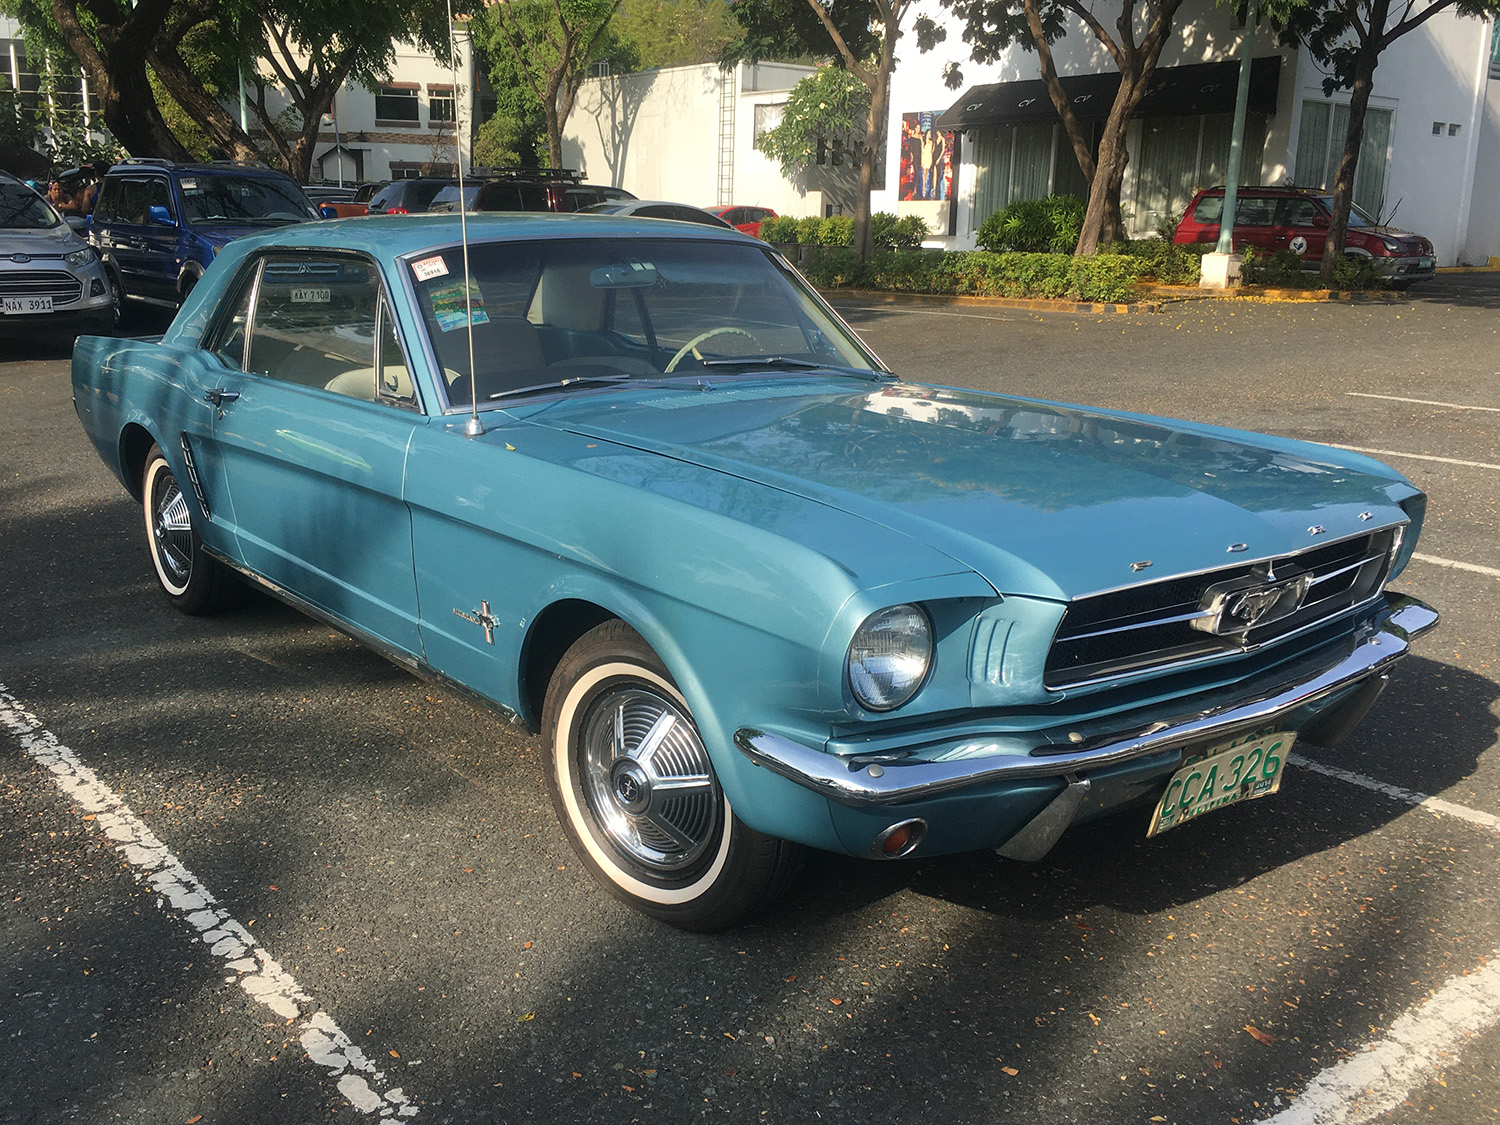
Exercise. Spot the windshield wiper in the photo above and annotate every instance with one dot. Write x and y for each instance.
(787, 363)
(576, 380)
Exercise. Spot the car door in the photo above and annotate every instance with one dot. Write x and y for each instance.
(1301, 231)
(160, 243)
(312, 433)
(120, 231)
(1255, 224)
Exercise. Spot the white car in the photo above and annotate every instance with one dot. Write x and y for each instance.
(51, 279)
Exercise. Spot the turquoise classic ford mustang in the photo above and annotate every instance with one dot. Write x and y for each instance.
(634, 484)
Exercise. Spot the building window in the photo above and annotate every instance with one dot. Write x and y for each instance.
(767, 117)
(405, 170)
(442, 109)
(1179, 155)
(1320, 147)
(397, 104)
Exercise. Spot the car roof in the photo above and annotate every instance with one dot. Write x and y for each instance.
(227, 168)
(393, 236)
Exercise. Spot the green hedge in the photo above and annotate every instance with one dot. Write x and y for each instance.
(1106, 278)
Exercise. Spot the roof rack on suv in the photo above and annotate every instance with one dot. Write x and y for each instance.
(520, 172)
(152, 161)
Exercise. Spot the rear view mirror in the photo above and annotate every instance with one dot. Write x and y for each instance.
(633, 275)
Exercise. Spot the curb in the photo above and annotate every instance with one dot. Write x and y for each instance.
(1241, 292)
(1035, 304)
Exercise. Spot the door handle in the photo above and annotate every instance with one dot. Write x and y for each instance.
(219, 396)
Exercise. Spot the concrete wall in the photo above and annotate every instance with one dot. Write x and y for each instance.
(657, 135)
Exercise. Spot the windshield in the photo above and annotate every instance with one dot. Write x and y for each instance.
(602, 311)
(23, 209)
(1358, 216)
(243, 199)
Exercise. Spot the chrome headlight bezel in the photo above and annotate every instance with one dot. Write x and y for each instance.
(889, 657)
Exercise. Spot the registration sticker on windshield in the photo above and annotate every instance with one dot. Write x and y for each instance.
(451, 311)
(188, 184)
(429, 268)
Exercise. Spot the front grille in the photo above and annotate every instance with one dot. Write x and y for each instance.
(61, 287)
(1150, 626)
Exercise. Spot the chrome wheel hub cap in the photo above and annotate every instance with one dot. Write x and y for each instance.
(172, 529)
(646, 779)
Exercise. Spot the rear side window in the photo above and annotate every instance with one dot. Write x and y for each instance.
(1209, 210)
(1255, 212)
(1300, 212)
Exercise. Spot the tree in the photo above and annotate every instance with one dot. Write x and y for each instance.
(1347, 37)
(549, 45)
(675, 32)
(863, 34)
(1141, 31)
(824, 107)
(111, 40)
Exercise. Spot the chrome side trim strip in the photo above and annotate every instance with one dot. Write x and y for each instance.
(861, 784)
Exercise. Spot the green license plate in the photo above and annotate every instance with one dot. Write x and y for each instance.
(1247, 768)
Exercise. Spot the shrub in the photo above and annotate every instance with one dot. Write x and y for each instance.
(783, 228)
(1356, 272)
(891, 233)
(1104, 277)
(836, 230)
(1280, 270)
(1034, 226)
(808, 230)
(1164, 261)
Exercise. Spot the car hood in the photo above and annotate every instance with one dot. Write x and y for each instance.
(1038, 498)
(53, 242)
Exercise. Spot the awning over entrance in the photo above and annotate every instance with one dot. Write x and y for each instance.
(1175, 91)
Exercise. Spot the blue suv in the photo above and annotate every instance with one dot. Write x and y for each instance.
(158, 225)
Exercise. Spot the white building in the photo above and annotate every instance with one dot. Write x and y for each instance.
(1431, 156)
(418, 123)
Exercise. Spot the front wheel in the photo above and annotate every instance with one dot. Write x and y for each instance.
(638, 796)
(192, 581)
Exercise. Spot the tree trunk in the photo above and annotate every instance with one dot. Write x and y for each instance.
(1101, 219)
(116, 68)
(875, 126)
(1343, 183)
(189, 93)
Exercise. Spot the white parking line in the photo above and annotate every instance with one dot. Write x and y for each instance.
(1454, 564)
(1416, 456)
(1435, 805)
(1423, 401)
(1418, 1044)
(252, 967)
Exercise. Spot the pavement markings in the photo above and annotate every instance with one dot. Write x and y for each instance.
(1418, 1044)
(1422, 1041)
(364, 1086)
(1415, 456)
(1423, 401)
(1434, 805)
(1454, 564)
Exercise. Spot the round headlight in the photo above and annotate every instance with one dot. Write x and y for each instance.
(889, 657)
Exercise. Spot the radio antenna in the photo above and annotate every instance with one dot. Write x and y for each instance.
(473, 427)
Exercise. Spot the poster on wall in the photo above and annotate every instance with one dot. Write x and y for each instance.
(927, 158)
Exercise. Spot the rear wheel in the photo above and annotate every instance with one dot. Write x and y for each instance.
(638, 796)
(192, 581)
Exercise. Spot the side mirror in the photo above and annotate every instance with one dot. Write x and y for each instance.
(158, 214)
(1321, 221)
(328, 211)
(79, 224)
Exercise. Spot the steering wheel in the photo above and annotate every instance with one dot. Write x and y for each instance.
(692, 345)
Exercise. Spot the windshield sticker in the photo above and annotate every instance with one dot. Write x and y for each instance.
(429, 268)
(188, 185)
(448, 307)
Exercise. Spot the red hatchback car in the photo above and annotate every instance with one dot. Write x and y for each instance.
(745, 219)
(1277, 218)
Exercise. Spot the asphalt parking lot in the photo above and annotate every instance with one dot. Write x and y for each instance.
(188, 803)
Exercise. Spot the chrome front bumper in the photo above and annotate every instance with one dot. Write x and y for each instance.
(862, 781)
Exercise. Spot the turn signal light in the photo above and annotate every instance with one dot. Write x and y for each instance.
(900, 839)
